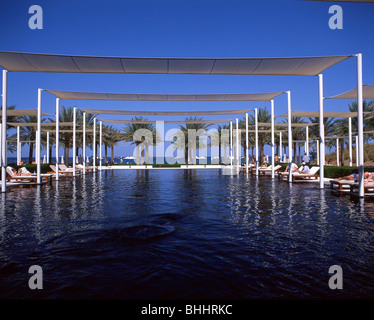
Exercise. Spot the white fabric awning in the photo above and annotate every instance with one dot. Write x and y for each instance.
(35, 62)
(367, 93)
(164, 113)
(265, 131)
(281, 124)
(43, 124)
(24, 112)
(74, 95)
(165, 122)
(315, 114)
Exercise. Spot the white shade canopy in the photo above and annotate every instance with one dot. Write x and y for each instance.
(281, 124)
(24, 112)
(165, 122)
(315, 114)
(164, 113)
(367, 93)
(35, 62)
(43, 124)
(74, 95)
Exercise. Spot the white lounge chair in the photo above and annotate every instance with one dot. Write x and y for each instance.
(268, 169)
(31, 178)
(311, 174)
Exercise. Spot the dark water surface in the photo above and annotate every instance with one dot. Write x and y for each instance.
(184, 234)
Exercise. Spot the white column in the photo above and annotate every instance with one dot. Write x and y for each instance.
(1, 149)
(356, 137)
(256, 140)
(289, 135)
(321, 132)
(231, 144)
(84, 143)
(280, 146)
(307, 140)
(94, 145)
(360, 125)
(48, 147)
(337, 152)
(74, 137)
(3, 133)
(237, 146)
(317, 143)
(272, 138)
(38, 138)
(350, 140)
(18, 146)
(246, 144)
(101, 142)
(57, 134)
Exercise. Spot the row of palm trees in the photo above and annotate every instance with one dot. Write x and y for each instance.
(112, 136)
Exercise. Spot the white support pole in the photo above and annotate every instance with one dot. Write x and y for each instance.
(256, 140)
(280, 146)
(321, 133)
(38, 138)
(74, 137)
(57, 134)
(47, 146)
(101, 142)
(246, 144)
(94, 145)
(350, 140)
(360, 125)
(231, 144)
(237, 146)
(337, 152)
(18, 146)
(317, 142)
(307, 140)
(84, 143)
(1, 149)
(272, 138)
(3, 132)
(289, 135)
(356, 138)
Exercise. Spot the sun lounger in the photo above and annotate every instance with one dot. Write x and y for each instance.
(31, 178)
(298, 176)
(313, 174)
(367, 186)
(81, 167)
(61, 172)
(341, 184)
(268, 169)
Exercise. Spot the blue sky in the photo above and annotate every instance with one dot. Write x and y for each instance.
(205, 28)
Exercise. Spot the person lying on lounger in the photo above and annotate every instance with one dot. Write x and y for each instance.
(368, 176)
(304, 168)
(294, 167)
(24, 172)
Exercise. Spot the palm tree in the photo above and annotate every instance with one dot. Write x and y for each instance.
(341, 129)
(329, 124)
(298, 133)
(28, 133)
(66, 115)
(263, 116)
(367, 106)
(129, 134)
(183, 133)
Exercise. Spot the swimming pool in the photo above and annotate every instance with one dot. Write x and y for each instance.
(184, 234)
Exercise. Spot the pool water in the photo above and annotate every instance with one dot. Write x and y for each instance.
(184, 234)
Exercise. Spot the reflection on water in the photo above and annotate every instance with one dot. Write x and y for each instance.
(141, 234)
